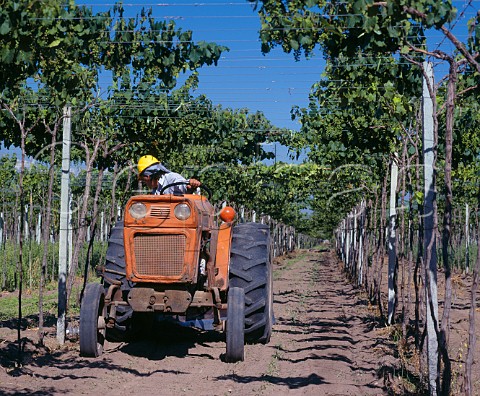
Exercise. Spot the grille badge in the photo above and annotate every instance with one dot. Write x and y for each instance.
(162, 212)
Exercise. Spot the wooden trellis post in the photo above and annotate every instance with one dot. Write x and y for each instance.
(392, 250)
(467, 238)
(430, 243)
(64, 220)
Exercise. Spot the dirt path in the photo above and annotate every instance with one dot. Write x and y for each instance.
(324, 343)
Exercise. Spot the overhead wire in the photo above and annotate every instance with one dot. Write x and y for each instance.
(229, 62)
(461, 15)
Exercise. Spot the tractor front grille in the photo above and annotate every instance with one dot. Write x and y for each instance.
(159, 255)
(160, 211)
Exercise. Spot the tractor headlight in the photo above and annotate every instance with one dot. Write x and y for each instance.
(138, 210)
(182, 211)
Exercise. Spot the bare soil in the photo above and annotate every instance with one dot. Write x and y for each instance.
(326, 341)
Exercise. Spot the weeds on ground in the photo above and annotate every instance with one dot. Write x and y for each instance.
(9, 304)
(273, 368)
(407, 379)
(294, 315)
(287, 263)
(458, 370)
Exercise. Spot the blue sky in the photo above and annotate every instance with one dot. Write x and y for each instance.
(243, 77)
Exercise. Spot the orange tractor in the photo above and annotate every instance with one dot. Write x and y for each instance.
(171, 258)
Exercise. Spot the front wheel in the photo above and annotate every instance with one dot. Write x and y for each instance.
(235, 325)
(92, 321)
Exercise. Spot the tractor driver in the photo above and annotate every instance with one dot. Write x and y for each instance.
(156, 176)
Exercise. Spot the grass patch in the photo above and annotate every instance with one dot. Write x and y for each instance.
(288, 262)
(273, 368)
(9, 303)
(32, 259)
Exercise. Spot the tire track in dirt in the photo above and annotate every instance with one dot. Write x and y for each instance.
(323, 343)
(327, 330)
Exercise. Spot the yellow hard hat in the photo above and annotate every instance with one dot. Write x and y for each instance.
(146, 161)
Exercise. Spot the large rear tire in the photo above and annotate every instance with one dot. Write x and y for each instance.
(92, 321)
(251, 270)
(115, 270)
(235, 325)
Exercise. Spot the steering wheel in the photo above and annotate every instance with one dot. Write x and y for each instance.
(202, 186)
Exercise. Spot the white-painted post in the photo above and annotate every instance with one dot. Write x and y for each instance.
(351, 258)
(467, 237)
(38, 231)
(105, 228)
(347, 242)
(18, 229)
(2, 236)
(290, 238)
(26, 225)
(102, 224)
(70, 232)
(430, 245)
(1, 228)
(64, 220)
(254, 216)
(355, 236)
(392, 249)
(360, 242)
